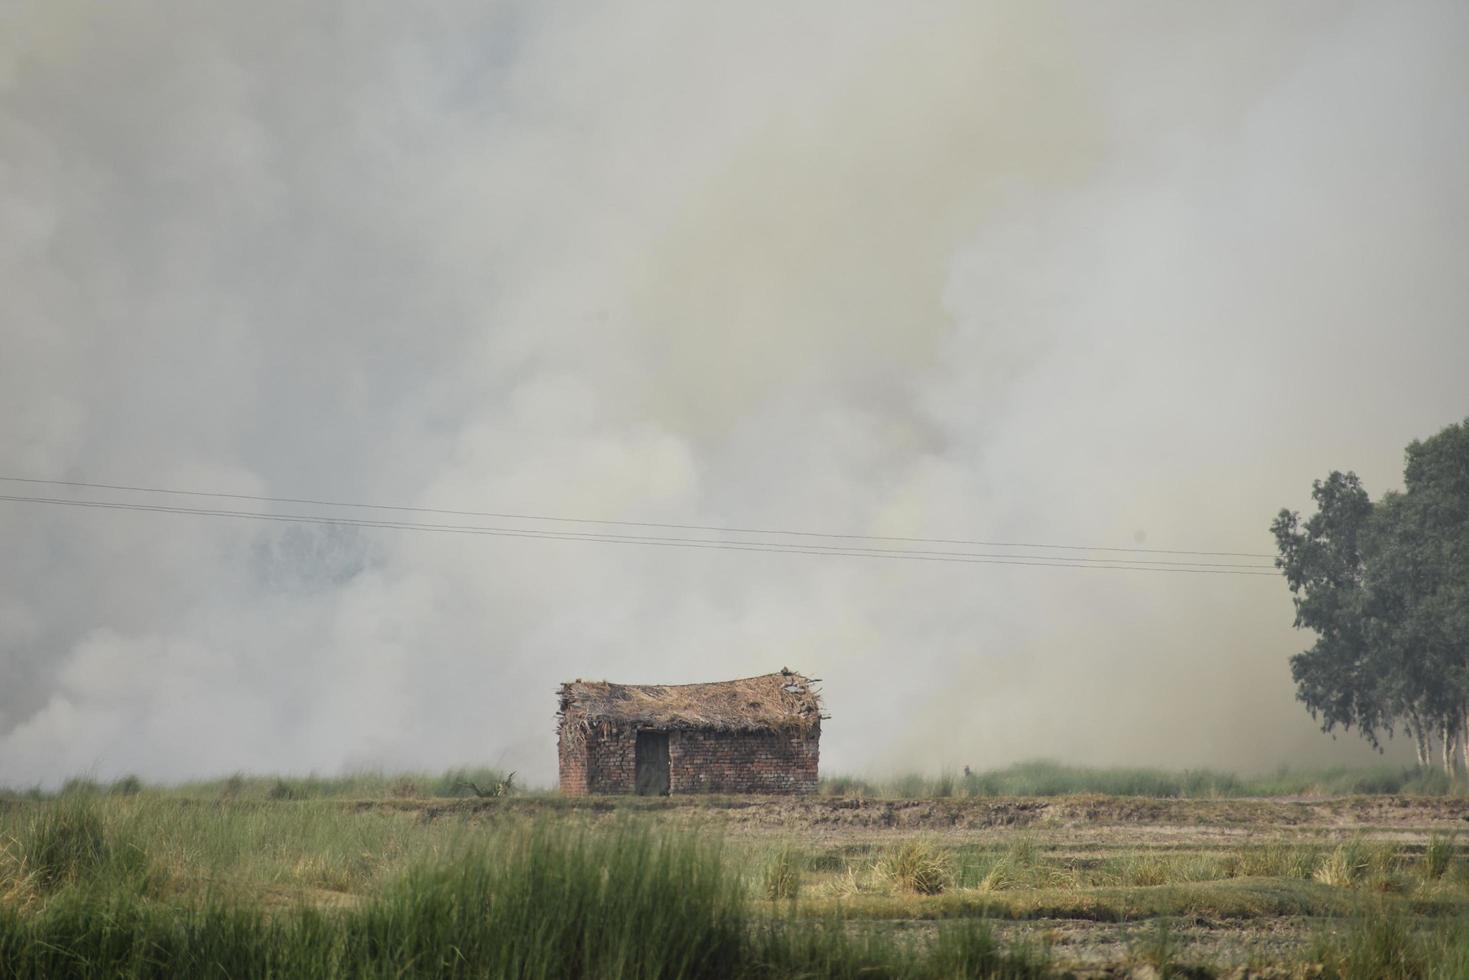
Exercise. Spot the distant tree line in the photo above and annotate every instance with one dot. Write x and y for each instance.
(1385, 587)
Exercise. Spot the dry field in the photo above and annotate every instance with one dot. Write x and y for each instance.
(1236, 887)
(1081, 885)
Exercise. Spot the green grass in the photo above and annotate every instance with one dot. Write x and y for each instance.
(362, 785)
(1158, 947)
(367, 784)
(1046, 778)
(528, 901)
(1438, 855)
(1026, 779)
(254, 850)
(780, 878)
(531, 903)
(70, 844)
(1384, 944)
(325, 879)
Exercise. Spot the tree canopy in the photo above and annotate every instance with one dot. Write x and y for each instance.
(1385, 588)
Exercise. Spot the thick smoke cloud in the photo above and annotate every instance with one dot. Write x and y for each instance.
(1014, 271)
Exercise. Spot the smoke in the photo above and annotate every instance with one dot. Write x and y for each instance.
(1008, 272)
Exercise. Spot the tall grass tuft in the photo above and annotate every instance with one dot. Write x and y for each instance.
(80, 786)
(69, 843)
(1147, 870)
(847, 786)
(554, 903)
(1355, 860)
(283, 790)
(1340, 869)
(917, 866)
(1158, 947)
(1377, 947)
(1018, 866)
(473, 782)
(968, 948)
(781, 876)
(1438, 855)
(126, 786)
(1278, 859)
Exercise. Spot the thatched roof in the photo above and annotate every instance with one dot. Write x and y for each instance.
(782, 701)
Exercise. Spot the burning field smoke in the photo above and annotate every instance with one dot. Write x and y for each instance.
(1126, 277)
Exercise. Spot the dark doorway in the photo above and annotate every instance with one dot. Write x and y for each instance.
(652, 764)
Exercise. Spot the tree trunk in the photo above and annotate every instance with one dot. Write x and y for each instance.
(1464, 740)
(1450, 759)
(1421, 741)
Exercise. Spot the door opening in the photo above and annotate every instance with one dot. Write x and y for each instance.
(651, 760)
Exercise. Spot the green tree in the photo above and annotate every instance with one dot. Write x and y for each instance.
(1337, 679)
(1385, 587)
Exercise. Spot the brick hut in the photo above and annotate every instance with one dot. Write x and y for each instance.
(756, 735)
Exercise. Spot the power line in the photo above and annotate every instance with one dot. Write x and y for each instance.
(776, 548)
(577, 535)
(650, 541)
(619, 523)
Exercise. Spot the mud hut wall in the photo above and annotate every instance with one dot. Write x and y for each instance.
(743, 762)
(571, 757)
(611, 760)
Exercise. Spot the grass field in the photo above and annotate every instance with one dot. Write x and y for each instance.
(1034, 778)
(1045, 778)
(419, 876)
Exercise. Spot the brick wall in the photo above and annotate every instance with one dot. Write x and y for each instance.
(604, 761)
(740, 762)
(572, 760)
(698, 762)
(611, 760)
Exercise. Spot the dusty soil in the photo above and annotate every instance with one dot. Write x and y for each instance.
(1388, 816)
(1094, 934)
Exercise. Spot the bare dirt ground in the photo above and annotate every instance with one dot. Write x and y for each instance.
(1153, 820)
(1106, 871)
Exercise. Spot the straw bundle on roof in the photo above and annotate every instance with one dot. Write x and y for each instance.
(783, 701)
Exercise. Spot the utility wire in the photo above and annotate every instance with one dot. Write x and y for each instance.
(574, 535)
(696, 543)
(616, 523)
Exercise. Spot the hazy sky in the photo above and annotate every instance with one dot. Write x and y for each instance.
(1113, 274)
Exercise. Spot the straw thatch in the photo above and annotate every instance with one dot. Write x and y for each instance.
(783, 701)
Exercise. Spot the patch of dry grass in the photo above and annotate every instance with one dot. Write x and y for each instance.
(1356, 862)
(916, 865)
(1278, 859)
(780, 879)
(19, 888)
(1438, 855)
